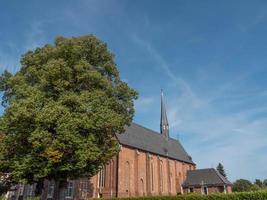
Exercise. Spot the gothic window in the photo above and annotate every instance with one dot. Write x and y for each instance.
(127, 176)
(51, 189)
(102, 175)
(83, 189)
(152, 177)
(21, 190)
(30, 190)
(70, 189)
(161, 176)
(170, 181)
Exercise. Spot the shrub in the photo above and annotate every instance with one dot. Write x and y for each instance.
(259, 195)
(242, 185)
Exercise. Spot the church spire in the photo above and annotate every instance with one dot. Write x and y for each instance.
(164, 125)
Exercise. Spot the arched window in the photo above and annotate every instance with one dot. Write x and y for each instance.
(170, 181)
(152, 177)
(30, 190)
(21, 190)
(51, 189)
(161, 176)
(102, 176)
(83, 188)
(70, 189)
(127, 176)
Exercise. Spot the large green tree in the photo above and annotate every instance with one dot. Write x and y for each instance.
(62, 110)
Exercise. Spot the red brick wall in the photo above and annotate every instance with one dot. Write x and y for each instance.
(130, 174)
(211, 189)
(140, 173)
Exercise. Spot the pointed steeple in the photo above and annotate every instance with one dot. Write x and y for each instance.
(164, 125)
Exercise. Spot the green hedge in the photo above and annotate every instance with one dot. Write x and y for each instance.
(233, 196)
(28, 198)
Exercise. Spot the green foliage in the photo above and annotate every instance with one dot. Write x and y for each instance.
(5, 183)
(221, 170)
(62, 109)
(231, 196)
(259, 183)
(3, 188)
(242, 185)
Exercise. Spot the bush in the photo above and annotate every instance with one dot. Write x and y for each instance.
(242, 185)
(260, 195)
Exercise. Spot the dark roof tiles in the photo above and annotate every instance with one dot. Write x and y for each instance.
(208, 176)
(145, 139)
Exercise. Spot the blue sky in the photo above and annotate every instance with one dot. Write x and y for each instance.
(208, 56)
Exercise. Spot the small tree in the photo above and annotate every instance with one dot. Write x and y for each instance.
(221, 170)
(242, 185)
(259, 183)
(62, 110)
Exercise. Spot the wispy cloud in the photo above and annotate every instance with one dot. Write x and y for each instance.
(35, 36)
(143, 103)
(8, 61)
(211, 134)
(160, 61)
(256, 19)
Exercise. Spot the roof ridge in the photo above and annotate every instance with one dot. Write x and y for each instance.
(203, 169)
(155, 132)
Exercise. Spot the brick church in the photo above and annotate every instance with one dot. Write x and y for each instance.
(148, 164)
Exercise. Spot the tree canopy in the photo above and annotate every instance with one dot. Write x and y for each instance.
(242, 185)
(62, 110)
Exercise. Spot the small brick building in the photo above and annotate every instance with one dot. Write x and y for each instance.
(205, 181)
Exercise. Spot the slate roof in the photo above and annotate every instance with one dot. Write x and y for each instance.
(201, 177)
(148, 140)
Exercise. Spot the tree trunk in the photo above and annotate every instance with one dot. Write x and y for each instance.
(59, 186)
(39, 188)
